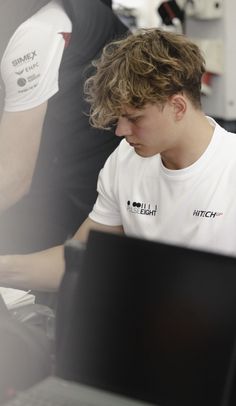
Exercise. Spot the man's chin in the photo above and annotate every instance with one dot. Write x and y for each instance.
(142, 152)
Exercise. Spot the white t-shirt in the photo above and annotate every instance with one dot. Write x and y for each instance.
(31, 61)
(194, 206)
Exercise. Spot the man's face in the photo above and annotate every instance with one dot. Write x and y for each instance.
(149, 130)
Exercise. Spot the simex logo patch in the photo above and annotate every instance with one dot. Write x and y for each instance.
(140, 208)
(24, 59)
(206, 213)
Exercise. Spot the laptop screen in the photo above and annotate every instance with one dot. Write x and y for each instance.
(148, 320)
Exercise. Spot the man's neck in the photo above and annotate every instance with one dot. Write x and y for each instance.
(195, 137)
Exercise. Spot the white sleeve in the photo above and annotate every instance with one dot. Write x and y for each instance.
(30, 64)
(106, 209)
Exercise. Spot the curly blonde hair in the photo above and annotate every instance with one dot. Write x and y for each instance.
(148, 66)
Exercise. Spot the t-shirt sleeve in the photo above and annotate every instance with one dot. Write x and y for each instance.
(30, 65)
(106, 208)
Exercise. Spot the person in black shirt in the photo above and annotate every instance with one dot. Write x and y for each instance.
(50, 156)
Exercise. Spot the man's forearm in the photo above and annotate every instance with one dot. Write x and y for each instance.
(38, 271)
(43, 270)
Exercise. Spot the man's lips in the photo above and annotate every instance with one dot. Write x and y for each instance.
(133, 144)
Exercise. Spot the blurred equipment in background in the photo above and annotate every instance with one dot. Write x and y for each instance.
(211, 24)
(127, 15)
(203, 9)
(197, 19)
(171, 14)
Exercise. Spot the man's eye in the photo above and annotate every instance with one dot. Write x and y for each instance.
(133, 119)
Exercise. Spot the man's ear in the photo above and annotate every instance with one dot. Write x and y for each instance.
(179, 105)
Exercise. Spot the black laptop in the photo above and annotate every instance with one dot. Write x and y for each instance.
(148, 320)
(145, 322)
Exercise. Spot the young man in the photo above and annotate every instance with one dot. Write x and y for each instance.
(172, 178)
(50, 156)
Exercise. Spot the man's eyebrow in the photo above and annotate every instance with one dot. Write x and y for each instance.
(131, 115)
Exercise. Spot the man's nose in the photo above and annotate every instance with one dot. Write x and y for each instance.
(123, 127)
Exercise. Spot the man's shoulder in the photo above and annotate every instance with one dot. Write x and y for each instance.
(226, 144)
(51, 15)
(13, 14)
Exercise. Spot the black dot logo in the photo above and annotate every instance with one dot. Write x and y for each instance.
(136, 204)
(21, 82)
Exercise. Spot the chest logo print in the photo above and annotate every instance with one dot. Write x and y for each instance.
(206, 213)
(140, 208)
